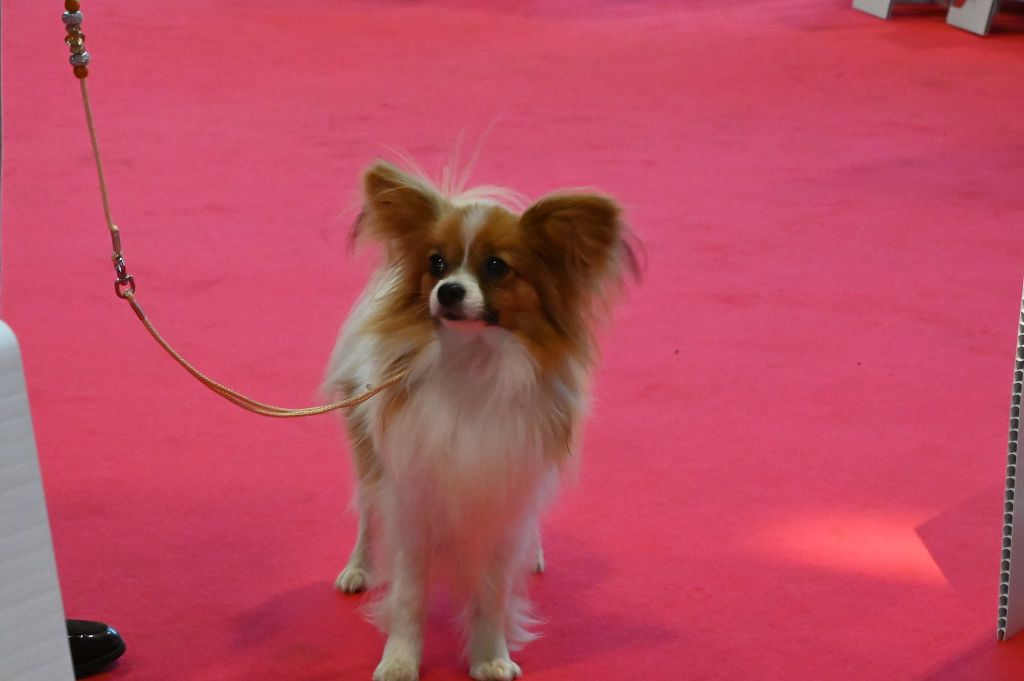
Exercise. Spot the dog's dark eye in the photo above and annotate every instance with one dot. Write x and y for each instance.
(495, 268)
(438, 265)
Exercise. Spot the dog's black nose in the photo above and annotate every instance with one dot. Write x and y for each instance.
(450, 293)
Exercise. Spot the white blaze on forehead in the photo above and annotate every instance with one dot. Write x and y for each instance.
(472, 305)
(473, 220)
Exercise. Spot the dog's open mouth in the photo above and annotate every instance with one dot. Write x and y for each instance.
(463, 324)
(455, 320)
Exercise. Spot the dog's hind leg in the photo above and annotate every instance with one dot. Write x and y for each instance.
(355, 577)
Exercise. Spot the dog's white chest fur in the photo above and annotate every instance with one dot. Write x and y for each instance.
(467, 445)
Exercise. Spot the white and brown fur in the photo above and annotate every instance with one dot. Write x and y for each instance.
(454, 463)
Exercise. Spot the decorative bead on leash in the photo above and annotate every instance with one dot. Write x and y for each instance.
(75, 40)
(124, 284)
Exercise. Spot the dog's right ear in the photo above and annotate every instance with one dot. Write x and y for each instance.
(396, 205)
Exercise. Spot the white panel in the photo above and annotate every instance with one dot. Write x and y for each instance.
(34, 644)
(1011, 583)
(878, 8)
(974, 16)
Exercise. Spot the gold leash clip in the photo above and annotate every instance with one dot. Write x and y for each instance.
(125, 283)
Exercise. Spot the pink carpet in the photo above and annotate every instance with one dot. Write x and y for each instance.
(794, 469)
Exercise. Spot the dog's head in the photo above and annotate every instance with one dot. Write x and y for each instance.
(473, 265)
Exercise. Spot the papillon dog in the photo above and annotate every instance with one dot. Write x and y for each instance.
(492, 311)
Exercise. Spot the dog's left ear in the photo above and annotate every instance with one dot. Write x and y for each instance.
(397, 205)
(579, 234)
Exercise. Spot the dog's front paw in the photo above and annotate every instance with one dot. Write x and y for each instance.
(352, 580)
(396, 669)
(498, 669)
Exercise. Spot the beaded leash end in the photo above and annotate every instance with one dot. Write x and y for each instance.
(75, 39)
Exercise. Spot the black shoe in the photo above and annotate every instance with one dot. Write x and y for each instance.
(94, 645)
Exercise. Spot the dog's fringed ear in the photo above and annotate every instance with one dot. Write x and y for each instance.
(581, 235)
(396, 205)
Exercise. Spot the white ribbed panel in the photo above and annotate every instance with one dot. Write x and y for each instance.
(34, 640)
(1011, 584)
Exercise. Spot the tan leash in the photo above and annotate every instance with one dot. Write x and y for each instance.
(124, 285)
